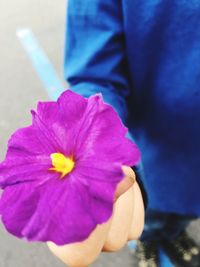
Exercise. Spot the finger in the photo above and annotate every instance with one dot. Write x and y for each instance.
(137, 224)
(121, 222)
(126, 183)
(82, 254)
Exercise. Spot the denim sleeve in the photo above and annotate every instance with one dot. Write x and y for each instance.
(95, 59)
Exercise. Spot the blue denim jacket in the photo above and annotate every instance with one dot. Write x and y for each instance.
(144, 57)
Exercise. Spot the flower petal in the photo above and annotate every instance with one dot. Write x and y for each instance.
(65, 219)
(62, 118)
(102, 135)
(72, 106)
(53, 212)
(18, 204)
(101, 179)
(21, 171)
(62, 211)
(25, 143)
(40, 206)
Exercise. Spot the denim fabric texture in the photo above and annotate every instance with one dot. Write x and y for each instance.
(144, 57)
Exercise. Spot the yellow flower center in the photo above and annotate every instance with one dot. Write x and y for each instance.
(62, 164)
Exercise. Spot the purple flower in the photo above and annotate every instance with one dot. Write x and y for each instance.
(60, 173)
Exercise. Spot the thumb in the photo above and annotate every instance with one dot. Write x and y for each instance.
(126, 183)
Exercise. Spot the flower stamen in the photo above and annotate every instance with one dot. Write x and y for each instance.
(61, 163)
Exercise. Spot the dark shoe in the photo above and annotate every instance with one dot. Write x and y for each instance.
(147, 254)
(183, 251)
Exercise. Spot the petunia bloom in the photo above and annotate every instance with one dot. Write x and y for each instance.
(60, 173)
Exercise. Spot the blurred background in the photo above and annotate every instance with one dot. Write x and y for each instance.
(31, 67)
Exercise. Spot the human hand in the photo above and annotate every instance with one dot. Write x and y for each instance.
(126, 223)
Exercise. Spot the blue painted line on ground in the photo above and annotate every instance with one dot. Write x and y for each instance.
(132, 245)
(164, 260)
(41, 63)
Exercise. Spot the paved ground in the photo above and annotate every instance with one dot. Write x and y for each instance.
(20, 89)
